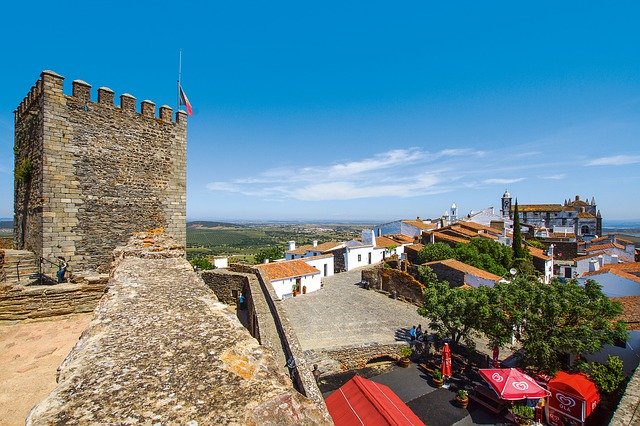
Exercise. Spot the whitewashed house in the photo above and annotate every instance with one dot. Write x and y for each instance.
(411, 228)
(284, 276)
(617, 280)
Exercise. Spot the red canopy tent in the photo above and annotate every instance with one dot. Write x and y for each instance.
(363, 402)
(511, 384)
(573, 396)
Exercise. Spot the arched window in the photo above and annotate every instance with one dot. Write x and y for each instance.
(584, 229)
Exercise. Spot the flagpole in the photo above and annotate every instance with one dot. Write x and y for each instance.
(179, 77)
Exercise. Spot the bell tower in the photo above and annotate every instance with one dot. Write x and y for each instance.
(506, 205)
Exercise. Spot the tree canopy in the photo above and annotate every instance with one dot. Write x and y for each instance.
(271, 253)
(546, 320)
(480, 252)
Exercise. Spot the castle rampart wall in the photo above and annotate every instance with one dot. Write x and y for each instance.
(99, 173)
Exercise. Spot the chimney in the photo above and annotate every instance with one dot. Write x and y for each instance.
(292, 245)
(315, 243)
(593, 265)
(614, 259)
(601, 260)
(368, 237)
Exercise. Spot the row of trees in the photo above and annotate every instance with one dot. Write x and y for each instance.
(482, 253)
(548, 321)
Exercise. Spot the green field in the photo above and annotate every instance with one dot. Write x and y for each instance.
(241, 242)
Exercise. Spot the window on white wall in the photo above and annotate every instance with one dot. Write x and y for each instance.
(359, 258)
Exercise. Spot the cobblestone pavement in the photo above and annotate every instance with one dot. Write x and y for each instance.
(343, 314)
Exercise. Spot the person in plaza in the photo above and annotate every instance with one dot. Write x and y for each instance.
(62, 269)
(419, 335)
(412, 333)
(291, 365)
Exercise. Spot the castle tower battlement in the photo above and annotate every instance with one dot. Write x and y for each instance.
(89, 174)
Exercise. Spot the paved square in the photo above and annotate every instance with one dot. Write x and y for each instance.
(343, 314)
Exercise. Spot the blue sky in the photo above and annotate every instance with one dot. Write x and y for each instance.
(360, 110)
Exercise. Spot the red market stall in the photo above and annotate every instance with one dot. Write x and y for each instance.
(364, 402)
(573, 397)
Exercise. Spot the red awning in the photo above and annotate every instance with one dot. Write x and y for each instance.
(511, 384)
(363, 402)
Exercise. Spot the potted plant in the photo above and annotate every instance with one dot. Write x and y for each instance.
(405, 354)
(436, 377)
(462, 398)
(294, 290)
(523, 414)
(304, 289)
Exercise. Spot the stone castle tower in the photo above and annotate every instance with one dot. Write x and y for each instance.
(89, 174)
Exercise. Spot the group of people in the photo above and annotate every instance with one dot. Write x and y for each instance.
(415, 333)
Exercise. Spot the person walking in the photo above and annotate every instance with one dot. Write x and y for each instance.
(419, 335)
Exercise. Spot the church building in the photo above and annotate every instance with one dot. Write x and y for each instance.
(577, 216)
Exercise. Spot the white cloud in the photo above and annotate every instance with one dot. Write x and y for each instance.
(406, 172)
(615, 160)
(554, 177)
(501, 181)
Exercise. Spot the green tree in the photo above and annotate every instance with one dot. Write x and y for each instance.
(271, 253)
(552, 320)
(518, 252)
(436, 251)
(452, 312)
(609, 376)
(202, 262)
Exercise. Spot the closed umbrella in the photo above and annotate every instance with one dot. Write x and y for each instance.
(512, 385)
(446, 361)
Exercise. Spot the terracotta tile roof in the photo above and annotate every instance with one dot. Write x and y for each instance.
(595, 240)
(578, 203)
(630, 311)
(632, 267)
(321, 256)
(414, 247)
(384, 242)
(467, 269)
(538, 208)
(585, 215)
(624, 241)
(444, 237)
(590, 255)
(287, 269)
(401, 238)
(629, 271)
(562, 235)
(539, 253)
(599, 247)
(324, 247)
(420, 224)
(460, 230)
(479, 227)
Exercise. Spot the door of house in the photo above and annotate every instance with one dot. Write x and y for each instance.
(369, 258)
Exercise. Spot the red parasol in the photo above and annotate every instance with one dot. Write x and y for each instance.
(511, 384)
(446, 361)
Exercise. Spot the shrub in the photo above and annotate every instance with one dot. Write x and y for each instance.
(437, 374)
(22, 172)
(406, 351)
(523, 411)
(201, 262)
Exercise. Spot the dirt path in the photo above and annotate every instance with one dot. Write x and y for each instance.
(30, 353)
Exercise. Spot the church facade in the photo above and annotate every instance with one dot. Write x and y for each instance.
(577, 216)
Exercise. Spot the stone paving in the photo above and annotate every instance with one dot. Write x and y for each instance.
(344, 314)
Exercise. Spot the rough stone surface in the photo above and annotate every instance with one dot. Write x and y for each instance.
(227, 285)
(162, 349)
(628, 411)
(98, 174)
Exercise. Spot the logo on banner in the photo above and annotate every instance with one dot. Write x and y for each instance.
(566, 402)
(521, 386)
(497, 377)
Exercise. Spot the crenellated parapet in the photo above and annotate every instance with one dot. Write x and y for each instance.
(81, 95)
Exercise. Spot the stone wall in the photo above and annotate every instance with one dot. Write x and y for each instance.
(355, 357)
(628, 411)
(227, 285)
(6, 243)
(99, 172)
(390, 280)
(454, 277)
(162, 349)
(19, 302)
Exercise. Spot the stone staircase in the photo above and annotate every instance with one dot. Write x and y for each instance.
(17, 266)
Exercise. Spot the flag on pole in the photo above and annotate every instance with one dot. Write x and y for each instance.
(184, 100)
